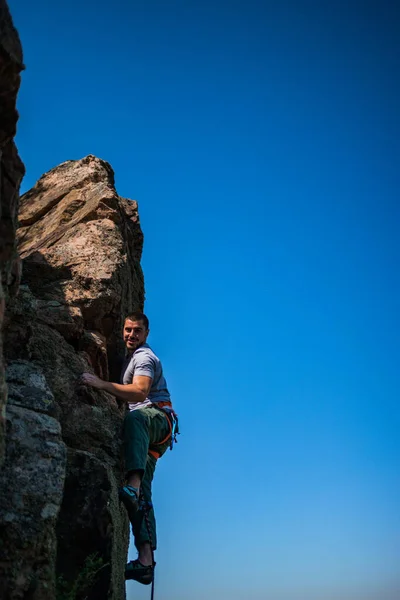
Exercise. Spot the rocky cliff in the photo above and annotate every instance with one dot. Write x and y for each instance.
(80, 245)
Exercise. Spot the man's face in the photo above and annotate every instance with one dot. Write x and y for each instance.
(135, 334)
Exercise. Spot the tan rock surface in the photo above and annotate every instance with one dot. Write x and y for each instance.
(85, 242)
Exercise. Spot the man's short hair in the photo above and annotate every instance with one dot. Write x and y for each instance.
(138, 316)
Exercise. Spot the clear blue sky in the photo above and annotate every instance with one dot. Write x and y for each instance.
(262, 141)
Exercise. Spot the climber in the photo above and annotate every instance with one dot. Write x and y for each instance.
(149, 429)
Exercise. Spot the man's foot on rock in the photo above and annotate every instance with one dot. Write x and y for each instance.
(135, 570)
(129, 496)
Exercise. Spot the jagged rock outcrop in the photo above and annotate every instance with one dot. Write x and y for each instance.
(80, 245)
(11, 173)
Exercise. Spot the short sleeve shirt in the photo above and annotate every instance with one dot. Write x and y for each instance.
(144, 362)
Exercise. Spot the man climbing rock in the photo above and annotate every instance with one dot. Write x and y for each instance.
(149, 429)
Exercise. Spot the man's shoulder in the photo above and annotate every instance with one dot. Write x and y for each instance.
(145, 351)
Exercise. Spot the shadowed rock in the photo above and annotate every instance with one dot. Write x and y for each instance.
(11, 173)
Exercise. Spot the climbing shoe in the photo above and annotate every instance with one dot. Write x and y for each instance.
(135, 570)
(129, 496)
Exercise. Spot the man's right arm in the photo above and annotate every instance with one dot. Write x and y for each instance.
(134, 392)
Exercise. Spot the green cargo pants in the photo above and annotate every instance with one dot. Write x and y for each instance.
(143, 428)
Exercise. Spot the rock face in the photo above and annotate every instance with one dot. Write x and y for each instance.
(80, 245)
(11, 173)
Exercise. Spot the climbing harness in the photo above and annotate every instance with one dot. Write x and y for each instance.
(173, 423)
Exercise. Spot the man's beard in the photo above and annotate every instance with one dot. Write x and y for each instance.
(132, 346)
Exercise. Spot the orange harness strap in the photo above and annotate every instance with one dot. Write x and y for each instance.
(155, 454)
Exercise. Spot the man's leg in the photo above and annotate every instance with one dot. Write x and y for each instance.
(136, 442)
(142, 428)
(145, 530)
(136, 445)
